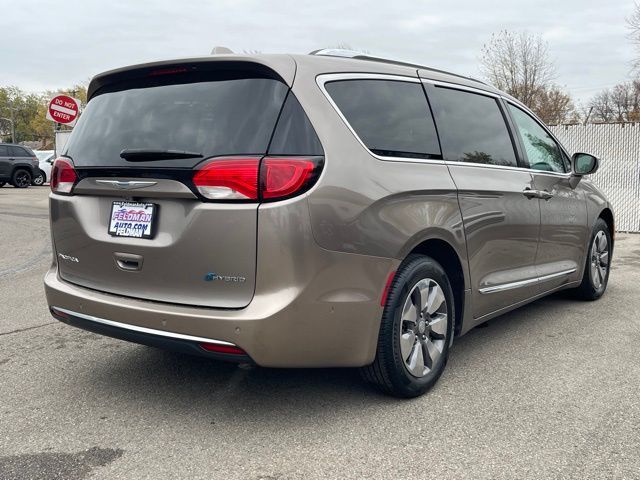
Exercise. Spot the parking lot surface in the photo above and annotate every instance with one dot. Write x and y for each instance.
(548, 391)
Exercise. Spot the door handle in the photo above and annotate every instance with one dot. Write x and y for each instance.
(545, 195)
(529, 193)
(128, 261)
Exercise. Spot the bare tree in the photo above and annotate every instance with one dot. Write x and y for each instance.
(554, 106)
(633, 24)
(618, 104)
(518, 63)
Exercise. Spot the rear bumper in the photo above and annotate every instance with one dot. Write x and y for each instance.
(146, 336)
(331, 320)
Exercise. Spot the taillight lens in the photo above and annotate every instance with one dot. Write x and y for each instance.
(229, 179)
(282, 177)
(63, 176)
(227, 349)
(246, 178)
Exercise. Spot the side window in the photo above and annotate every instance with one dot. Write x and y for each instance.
(17, 152)
(294, 134)
(471, 127)
(391, 117)
(4, 152)
(542, 151)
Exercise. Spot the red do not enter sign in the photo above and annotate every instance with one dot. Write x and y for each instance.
(64, 109)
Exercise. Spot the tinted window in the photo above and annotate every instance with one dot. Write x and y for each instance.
(294, 133)
(392, 118)
(4, 152)
(542, 151)
(471, 127)
(226, 116)
(17, 152)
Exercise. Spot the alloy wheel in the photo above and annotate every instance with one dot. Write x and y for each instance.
(423, 327)
(599, 260)
(22, 180)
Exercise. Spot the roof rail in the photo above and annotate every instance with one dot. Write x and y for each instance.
(341, 52)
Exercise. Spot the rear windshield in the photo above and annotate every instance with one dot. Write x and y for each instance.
(211, 116)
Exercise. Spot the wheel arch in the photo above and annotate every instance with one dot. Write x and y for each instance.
(446, 255)
(607, 215)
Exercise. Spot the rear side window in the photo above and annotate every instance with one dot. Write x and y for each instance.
(18, 152)
(208, 115)
(471, 128)
(392, 118)
(4, 151)
(294, 134)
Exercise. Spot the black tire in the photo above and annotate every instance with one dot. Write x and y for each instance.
(21, 178)
(2, 184)
(590, 288)
(389, 371)
(39, 179)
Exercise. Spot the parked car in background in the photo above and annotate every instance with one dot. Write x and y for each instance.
(45, 158)
(18, 165)
(315, 211)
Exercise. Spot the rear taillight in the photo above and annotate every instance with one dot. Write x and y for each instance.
(229, 179)
(247, 178)
(63, 176)
(283, 177)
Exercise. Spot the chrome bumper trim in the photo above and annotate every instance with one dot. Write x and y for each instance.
(135, 328)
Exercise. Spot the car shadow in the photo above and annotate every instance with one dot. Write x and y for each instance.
(161, 381)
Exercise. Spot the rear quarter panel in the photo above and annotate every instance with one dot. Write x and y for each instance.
(365, 205)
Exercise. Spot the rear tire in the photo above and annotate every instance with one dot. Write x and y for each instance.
(415, 331)
(21, 178)
(39, 179)
(597, 263)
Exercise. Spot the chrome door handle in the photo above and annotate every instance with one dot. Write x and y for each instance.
(529, 193)
(545, 195)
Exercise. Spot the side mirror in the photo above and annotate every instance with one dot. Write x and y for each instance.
(584, 164)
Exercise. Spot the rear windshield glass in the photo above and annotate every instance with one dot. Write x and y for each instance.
(211, 117)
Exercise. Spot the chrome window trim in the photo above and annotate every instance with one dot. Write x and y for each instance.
(523, 283)
(324, 78)
(321, 80)
(135, 328)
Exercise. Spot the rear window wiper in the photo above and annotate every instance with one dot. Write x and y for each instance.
(148, 155)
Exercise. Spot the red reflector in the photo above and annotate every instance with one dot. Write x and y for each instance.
(229, 179)
(59, 313)
(63, 176)
(387, 286)
(282, 177)
(217, 348)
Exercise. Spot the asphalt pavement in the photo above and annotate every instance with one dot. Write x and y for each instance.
(551, 390)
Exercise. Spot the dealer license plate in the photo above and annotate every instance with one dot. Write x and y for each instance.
(132, 219)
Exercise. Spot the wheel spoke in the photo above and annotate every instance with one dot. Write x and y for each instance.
(431, 353)
(410, 312)
(436, 298)
(416, 361)
(423, 288)
(602, 242)
(407, 341)
(604, 258)
(438, 325)
(602, 272)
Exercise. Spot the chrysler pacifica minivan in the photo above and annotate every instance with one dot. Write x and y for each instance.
(323, 210)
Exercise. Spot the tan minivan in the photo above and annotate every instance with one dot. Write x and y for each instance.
(319, 210)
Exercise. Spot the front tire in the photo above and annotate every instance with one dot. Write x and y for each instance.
(597, 264)
(21, 178)
(415, 331)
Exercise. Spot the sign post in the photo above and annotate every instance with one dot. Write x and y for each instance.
(64, 109)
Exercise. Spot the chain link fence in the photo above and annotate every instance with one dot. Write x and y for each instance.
(618, 147)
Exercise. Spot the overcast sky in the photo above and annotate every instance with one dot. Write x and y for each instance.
(49, 45)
